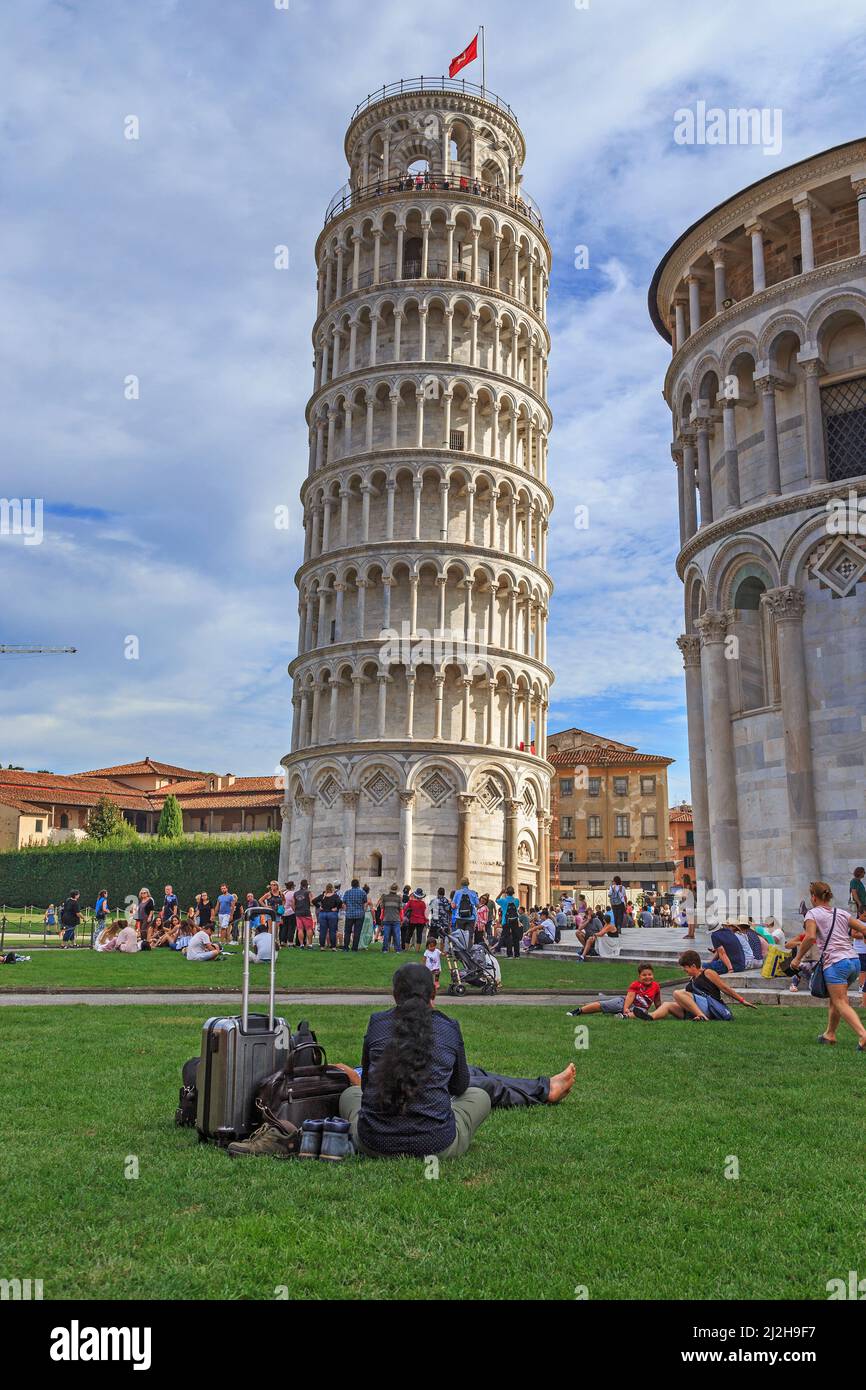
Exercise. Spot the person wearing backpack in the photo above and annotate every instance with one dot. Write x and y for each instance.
(440, 913)
(304, 925)
(616, 895)
(509, 937)
(464, 908)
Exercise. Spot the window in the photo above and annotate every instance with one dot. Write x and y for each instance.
(620, 786)
(202, 823)
(566, 827)
(38, 827)
(567, 856)
(690, 838)
(689, 861)
(64, 822)
(593, 827)
(648, 827)
(622, 856)
(457, 440)
(622, 829)
(844, 411)
(594, 786)
(566, 786)
(595, 856)
(375, 866)
(648, 786)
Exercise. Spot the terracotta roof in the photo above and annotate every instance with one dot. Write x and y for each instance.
(225, 801)
(145, 765)
(681, 815)
(601, 756)
(191, 785)
(591, 740)
(24, 808)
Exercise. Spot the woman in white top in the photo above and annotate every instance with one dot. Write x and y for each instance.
(829, 928)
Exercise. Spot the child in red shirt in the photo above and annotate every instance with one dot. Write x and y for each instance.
(643, 994)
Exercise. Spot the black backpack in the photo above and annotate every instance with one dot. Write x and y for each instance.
(302, 903)
(464, 908)
(511, 915)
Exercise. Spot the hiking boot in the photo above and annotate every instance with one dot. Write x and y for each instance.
(266, 1141)
(336, 1140)
(311, 1138)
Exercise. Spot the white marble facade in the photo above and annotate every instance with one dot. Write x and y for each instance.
(764, 301)
(420, 688)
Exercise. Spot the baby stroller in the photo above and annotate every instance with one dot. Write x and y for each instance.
(470, 965)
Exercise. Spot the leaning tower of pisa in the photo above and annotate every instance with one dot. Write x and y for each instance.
(763, 300)
(420, 687)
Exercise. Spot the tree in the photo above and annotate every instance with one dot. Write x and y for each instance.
(171, 820)
(105, 820)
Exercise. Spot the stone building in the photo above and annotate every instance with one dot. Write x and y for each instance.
(420, 687)
(610, 814)
(764, 302)
(682, 842)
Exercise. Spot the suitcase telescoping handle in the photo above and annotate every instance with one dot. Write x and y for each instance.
(251, 914)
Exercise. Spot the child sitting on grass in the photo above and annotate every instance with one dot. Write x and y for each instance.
(643, 994)
(701, 1000)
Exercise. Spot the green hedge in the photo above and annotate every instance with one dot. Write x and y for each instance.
(43, 874)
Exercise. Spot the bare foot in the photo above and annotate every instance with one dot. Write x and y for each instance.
(561, 1084)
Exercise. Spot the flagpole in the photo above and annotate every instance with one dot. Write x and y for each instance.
(483, 61)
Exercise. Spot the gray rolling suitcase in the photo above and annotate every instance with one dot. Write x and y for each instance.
(237, 1054)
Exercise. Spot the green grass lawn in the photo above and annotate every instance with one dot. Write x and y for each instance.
(82, 969)
(621, 1189)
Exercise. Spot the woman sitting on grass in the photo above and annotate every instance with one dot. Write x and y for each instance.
(419, 1097)
(107, 938)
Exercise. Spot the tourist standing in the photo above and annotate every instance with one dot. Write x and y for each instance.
(304, 916)
(327, 907)
(287, 922)
(391, 904)
(100, 912)
(616, 897)
(70, 919)
(440, 914)
(857, 889)
(829, 929)
(225, 905)
(144, 910)
(355, 904)
(414, 922)
(464, 907)
(170, 904)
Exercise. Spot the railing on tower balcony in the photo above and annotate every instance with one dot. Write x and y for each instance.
(436, 270)
(432, 84)
(433, 183)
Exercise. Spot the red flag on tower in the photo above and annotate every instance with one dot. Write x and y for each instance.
(469, 54)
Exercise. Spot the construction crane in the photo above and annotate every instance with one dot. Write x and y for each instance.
(34, 651)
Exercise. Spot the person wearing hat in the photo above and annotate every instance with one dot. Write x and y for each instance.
(754, 947)
(415, 920)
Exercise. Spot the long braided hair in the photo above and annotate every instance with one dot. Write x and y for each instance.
(405, 1060)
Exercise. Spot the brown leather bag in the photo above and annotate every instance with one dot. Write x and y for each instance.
(306, 1088)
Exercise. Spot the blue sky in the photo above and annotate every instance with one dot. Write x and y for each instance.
(155, 258)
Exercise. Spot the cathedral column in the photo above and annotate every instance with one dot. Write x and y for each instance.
(439, 684)
(357, 683)
(759, 278)
(413, 605)
(356, 259)
(732, 457)
(344, 515)
(705, 482)
(394, 397)
(444, 488)
(404, 867)
(361, 586)
(368, 437)
(470, 513)
(390, 490)
(366, 491)
(398, 268)
(488, 712)
(383, 704)
(350, 808)
(398, 333)
(410, 705)
(332, 712)
(422, 333)
(296, 722)
(305, 809)
(466, 682)
(690, 500)
(417, 486)
(690, 646)
(442, 585)
(512, 716)
(812, 369)
(803, 205)
(449, 270)
(464, 835)
(512, 811)
(694, 284)
(449, 342)
(719, 741)
(773, 478)
(788, 605)
(719, 256)
(387, 583)
(340, 590)
(377, 251)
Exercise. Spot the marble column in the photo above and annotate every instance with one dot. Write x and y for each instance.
(677, 456)
(759, 278)
(705, 481)
(305, 805)
(803, 205)
(464, 835)
(719, 255)
(404, 867)
(690, 646)
(690, 500)
(859, 186)
(719, 743)
(694, 284)
(773, 476)
(347, 861)
(285, 867)
(788, 605)
(512, 812)
(813, 367)
(732, 458)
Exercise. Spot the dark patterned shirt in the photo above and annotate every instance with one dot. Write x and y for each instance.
(354, 901)
(427, 1125)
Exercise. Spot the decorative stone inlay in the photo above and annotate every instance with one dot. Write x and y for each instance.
(490, 796)
(528, 802)
(329, 790)
(690, 646)
(437, 788)
(379, 787)
(838, 565)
